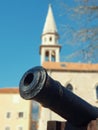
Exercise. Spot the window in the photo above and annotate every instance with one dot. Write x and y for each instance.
(8, 114)
(47, 56)
(63, 65)
(7, 128)
(20, 114)
(20, 128)
(53, 56)
(33, 126)
(97, 92)
(50, 39)
(69, 87)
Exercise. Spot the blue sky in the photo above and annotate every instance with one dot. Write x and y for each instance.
(21, 25)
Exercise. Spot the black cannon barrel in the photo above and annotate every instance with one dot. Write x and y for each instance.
(38, 85)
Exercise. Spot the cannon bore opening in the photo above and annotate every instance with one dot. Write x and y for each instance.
(28, 79)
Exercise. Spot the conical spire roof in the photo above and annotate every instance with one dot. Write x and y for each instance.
(50, 26)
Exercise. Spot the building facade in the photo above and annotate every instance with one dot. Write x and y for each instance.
(80, 78)
(15, 112)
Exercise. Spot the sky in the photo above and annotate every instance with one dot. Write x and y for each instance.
(21, 25)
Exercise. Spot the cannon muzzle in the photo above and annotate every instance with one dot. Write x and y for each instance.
(38, 85)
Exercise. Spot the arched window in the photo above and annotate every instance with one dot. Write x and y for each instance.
(69, 87)
(53, 56)
(47, 56)
(97, 91)
(50, 39)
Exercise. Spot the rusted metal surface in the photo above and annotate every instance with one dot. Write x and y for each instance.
(55, 125)
(93, 125)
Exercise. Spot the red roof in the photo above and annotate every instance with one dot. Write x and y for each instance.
(9, 90)
(67, 66)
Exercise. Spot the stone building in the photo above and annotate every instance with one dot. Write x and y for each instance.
(15, 112)
(80, 78)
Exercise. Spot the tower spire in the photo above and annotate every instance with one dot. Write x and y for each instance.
(50, 25)
(50, 49)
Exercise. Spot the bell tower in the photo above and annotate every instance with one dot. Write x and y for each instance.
(50, 49)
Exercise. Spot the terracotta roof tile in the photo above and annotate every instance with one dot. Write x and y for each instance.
(67, 66)
(9, 90)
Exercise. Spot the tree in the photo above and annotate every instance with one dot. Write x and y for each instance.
(83, 33)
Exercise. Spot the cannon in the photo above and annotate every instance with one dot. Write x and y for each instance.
(36, 84)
